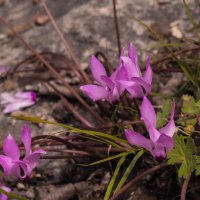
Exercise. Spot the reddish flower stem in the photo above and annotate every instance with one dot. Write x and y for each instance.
(184, 188)
(71, 108)
(65, 43)
(116, 27)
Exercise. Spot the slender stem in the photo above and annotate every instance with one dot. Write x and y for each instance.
(167, 57)
(70, 107)
(53, 71)
(117, 27)
(184, 188)
(136, 179)
(65, 43)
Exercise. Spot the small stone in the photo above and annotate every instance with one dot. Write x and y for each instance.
(41, 19)
(21, 186)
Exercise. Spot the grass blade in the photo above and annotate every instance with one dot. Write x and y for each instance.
(128, 170)
(114, 176)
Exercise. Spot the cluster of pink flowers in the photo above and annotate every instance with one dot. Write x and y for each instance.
(128, 77)
(12, 163)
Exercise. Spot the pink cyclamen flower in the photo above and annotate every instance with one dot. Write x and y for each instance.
(16, 101)
(11, 162)
(126, 77)
(134, 82)
(161, 140)
(3, 196)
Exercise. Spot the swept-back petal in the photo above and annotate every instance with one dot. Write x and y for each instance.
(170, 128)
(121, 74)
(132, 69)
(167, 142)
(94, 92)
(137, 139)
(26, 139)
(148, 113)
(6, 164)
(26, 95)
(18, 105)
(7, 97)
(33, 159)
(143, 83)
(148, 73)
(132, 53)
(153, 132)
(10, 147)
(97, 70)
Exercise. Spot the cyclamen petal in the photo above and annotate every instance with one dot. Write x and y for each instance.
(148, 113)
(148, 73)
(26, 139)
(132, 53)
(16, 101)
(10, 147)
(137, 139)
(95, 92)
(97, 69)
(170, 128)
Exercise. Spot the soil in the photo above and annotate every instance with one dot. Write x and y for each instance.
(89, 27)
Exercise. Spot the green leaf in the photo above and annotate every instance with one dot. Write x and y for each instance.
(73, 129)
(109, 158)
(161, 117)
(114, 176)
(189, 105)
(183, 152)
(197, 167)
(128, 170)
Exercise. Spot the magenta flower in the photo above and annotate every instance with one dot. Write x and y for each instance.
(3, 196)
(161, 140)
(16, 101)
(134, 82)
(11, 162)
(126, 77)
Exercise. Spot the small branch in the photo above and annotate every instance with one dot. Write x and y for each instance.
(53, 71)
(65, 43)
(73, 110)
(136, 179)
(117, 27)
(184, 188)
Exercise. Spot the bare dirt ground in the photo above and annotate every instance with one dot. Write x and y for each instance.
(89, 27)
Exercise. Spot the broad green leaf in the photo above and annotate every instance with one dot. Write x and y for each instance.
(11, 195)
(161, 117)
(183, 152)
(129, 170)
(73, 129)
(114, 176)
(197, 167)
(109, 158)
(189, 105)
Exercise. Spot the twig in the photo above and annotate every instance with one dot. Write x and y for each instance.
(167, 57)
(117, 27)
(184, 188)
(52, 70)
(65, 43)
(68, 105)
(137, 178)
